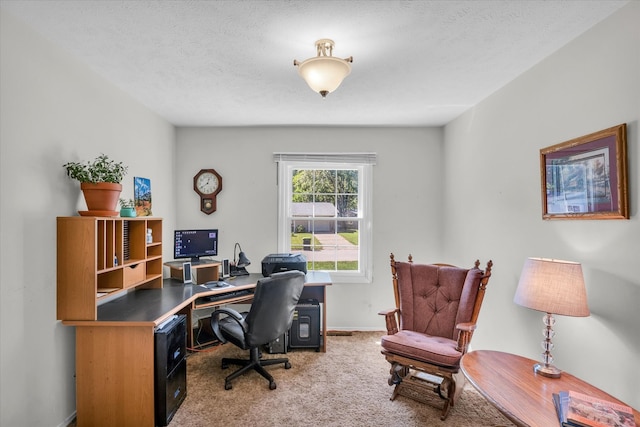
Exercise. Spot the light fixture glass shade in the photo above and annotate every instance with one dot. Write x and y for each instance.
(552, 286)
(324, 73)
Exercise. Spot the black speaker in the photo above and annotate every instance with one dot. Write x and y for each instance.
(226, 269)
(305, 329)
(170, 368)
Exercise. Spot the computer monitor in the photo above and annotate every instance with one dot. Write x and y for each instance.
(194, 244)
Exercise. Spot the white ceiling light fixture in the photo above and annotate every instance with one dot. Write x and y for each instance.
(324, 73)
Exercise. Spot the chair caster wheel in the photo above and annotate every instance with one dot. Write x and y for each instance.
(228, 386)
(225, 366)
(287, 365)
(272, 385)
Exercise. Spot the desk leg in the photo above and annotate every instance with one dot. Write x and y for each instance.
(187, 311)
(319, 293)
(115, 376)
(324, 319)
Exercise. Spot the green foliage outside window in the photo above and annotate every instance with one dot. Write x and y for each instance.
(339, 188)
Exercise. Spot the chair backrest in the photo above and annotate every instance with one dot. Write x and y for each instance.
(274, 302)
(434, 298)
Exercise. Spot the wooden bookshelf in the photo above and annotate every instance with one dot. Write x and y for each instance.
(100, 257)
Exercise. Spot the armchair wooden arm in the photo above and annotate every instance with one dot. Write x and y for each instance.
(391, 320)
(465, 332)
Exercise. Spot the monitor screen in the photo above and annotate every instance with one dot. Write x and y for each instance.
(194, 244)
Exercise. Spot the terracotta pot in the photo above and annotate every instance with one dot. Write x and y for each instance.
(102, 198)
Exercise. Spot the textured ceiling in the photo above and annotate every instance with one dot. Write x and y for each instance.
(230, 63)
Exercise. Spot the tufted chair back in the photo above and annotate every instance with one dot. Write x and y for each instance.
(433, 298)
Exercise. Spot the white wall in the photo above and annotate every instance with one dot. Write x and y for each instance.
(493, 204)
(406, 189)
(482, 202)
(53, 110)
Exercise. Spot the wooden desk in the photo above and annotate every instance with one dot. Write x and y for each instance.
(115, 353)
(509, 383)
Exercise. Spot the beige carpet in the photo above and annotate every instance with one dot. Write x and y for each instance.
(347, 386)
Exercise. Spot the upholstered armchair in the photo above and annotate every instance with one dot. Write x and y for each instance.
(437, 306)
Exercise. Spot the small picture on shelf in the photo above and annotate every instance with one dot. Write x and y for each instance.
(142, 196)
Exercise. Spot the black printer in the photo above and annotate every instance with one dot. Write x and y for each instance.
(276, 263)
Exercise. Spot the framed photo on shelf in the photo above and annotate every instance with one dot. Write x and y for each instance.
(586, 177)
(142, 196)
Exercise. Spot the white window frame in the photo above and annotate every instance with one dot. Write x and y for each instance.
(363, 162)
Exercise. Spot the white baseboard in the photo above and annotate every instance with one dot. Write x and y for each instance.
(67, 422)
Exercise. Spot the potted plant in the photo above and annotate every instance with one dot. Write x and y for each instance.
(127, 208)
(100, 183)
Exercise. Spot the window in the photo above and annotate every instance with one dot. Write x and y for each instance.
(324, 211)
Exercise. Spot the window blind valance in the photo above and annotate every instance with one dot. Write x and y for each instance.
(358, 158)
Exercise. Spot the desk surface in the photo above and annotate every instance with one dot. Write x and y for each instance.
(510, 384)
(146, 306)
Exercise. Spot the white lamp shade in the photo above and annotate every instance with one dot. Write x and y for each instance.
(324, 73)
(552, 286)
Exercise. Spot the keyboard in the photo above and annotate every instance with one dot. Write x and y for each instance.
(229, 295)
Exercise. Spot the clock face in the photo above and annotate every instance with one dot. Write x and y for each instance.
(207, 183)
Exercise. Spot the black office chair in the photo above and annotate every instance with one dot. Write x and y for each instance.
(270, 316)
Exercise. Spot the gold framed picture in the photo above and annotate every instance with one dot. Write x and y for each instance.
(586, 177)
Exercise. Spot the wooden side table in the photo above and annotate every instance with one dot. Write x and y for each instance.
(509, 383)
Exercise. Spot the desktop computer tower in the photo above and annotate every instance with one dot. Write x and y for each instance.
(279, 345)
(305, 329)
(170, 368)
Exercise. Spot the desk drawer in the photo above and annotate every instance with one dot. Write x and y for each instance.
(134, 274)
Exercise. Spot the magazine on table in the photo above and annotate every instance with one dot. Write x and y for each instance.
(576, 409)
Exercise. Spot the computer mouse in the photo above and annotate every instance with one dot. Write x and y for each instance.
(218, 284)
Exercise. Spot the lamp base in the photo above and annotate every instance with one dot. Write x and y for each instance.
(547, 370)
(238, 271)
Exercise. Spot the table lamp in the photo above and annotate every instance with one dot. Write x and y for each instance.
(238, 266)
(553, 287)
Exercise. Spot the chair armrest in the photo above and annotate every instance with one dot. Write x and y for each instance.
(467, 326)
(388, 311)
(390, 317)
(233, 314)
(465, 332)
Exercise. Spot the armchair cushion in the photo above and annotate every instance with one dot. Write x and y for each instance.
(425, 348)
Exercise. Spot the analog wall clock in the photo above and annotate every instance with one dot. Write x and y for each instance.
(207, 183)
